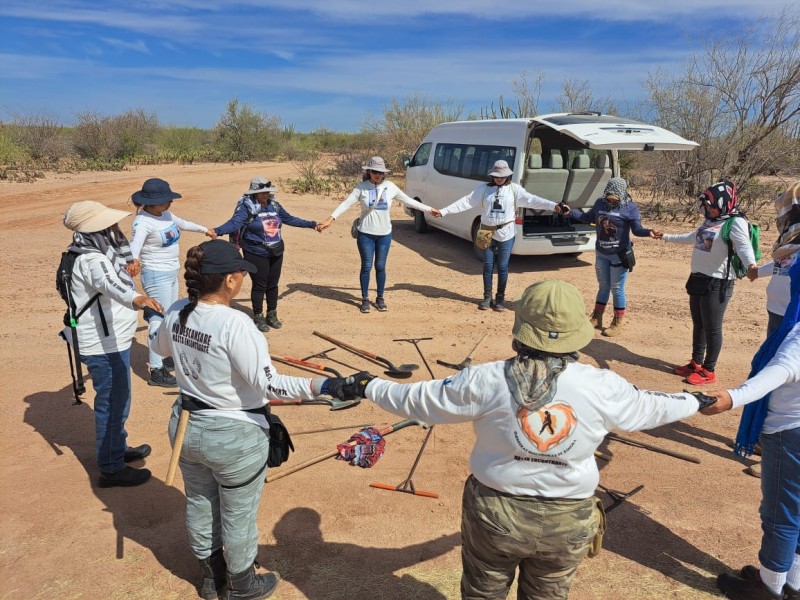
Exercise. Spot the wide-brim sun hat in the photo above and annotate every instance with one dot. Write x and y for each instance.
(89, 216)
(155, 191)
(260, 185)
(221, 257)
(376, 163)
(501, 169)
(550, 316)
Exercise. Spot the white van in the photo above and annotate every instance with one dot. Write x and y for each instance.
(564, 156)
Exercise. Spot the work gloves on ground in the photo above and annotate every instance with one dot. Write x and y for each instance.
(348, 388)
(363, 449)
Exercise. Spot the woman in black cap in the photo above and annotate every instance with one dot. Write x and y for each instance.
(154, 245)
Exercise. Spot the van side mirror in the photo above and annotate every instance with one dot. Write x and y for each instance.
(406, 161)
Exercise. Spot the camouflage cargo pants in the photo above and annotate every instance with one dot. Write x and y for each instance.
(546, 539)
(219, 451)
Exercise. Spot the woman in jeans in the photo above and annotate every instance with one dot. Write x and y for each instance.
(616, 217)
(105, 330)
(374, 196)
(226, 380)
(710, 285)
(154, 245)
(498, 201)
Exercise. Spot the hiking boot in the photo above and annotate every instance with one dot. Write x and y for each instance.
(169, 364)
(261, 322)
(617, 325)
(128, 477)
(162, 378)
(138, 453)
(214, 576)
(741, 588)
(486, 304)
(365, 305)
(499, 303)
(272, 319)
(702, 377)
(687, 369)
(752, 572)
(596, 319)
(380, 304)
(249, 586)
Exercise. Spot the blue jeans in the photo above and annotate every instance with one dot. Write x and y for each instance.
(373, 248)
(163, 286)
(223, 462)
(780, 502)
(111, 378)
(611, 277)
(498, 254)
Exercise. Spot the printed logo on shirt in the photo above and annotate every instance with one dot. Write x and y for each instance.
(192, 369)
(783, 265)
(170, 235)
(549, 426)
(377, 203)
(197, 340)
(272, 227)
(497, 211)
(606, 232)
(705, 236)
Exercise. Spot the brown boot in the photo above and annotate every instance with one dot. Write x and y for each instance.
(617, 325)
(596, 319)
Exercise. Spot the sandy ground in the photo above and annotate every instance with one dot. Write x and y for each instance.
(324, 529)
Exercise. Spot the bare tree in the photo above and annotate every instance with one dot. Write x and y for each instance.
(577, 96)
(41, 135)
(739, 98)
(526, 95)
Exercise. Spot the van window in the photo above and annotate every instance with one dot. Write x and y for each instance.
(470, 161)
(422, 155)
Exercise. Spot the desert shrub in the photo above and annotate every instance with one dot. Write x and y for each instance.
(41, 136)
(242, 133)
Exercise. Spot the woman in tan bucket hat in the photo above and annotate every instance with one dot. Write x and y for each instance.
(105, 331)
(538, 417)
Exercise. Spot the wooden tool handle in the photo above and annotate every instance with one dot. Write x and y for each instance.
(300, 363)
(345, 346)
(180, 432)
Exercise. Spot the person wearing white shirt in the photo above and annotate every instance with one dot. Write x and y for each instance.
(538, 417)
(710, 285)
(374, 196)
(154, 245)
(498, 201)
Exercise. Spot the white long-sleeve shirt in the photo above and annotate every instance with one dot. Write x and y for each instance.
(498, 206)
(376, 221)
(781, 379)
(523, 453)
(779, 287)
(155, 239)
(223, 360)
(93, 273)
(710, 255)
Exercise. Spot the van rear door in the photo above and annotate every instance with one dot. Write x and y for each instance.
(607, 132)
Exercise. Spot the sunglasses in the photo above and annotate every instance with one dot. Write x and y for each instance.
(262, 186)
(379, 173)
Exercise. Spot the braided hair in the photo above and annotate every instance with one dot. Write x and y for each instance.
(197, 283)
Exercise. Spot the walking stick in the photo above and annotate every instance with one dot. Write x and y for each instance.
(180, 432)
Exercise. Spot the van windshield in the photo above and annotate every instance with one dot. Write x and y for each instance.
(470, 161)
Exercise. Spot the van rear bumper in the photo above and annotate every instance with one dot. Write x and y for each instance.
(542, 244)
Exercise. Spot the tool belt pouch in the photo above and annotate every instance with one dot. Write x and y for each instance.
(354, 227)
(627, 258)
(280, 444)
(698, 284)
(597, 542)
(483, 239)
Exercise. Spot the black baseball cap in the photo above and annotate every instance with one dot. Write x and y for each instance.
(220, 256)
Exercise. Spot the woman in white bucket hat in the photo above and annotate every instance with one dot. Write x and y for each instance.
(374, 196)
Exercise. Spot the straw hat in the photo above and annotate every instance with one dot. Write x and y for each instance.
(89, 216)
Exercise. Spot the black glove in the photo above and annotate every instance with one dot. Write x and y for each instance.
(357, 384)
(563, 207)
(338, 387)
(704, 400)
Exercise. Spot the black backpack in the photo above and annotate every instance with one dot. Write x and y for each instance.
(71, 316)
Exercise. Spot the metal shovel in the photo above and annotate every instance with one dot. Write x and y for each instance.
(398, 372)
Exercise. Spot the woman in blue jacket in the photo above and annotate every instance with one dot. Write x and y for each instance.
(257, 221)
(616, 216)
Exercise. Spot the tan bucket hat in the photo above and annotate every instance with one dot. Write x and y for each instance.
(501, 169)
(550, 316)
(89, 216)
(376, 163)
(259, 185)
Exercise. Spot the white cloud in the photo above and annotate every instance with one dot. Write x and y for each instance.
(137, 46)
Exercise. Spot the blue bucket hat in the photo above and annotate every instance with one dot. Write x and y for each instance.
(154, 192)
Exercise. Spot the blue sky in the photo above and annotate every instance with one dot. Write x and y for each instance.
(334, 63)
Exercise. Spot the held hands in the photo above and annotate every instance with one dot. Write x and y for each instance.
(724, 402)
(752, 272)
(133, 268)
(140, 302)
(563, 207)
(323, 225)
(656, 235)
(348, 388)
(211, 233)
(436, 213)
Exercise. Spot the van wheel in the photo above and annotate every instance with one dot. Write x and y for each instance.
(420, 224)
(475, 250)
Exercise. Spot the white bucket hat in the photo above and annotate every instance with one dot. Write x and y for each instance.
(501, 169)
(376, 163)
(259, 185)
(550, 316)
(89, 216)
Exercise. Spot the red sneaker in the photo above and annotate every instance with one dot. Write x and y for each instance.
(702, 377)
(688, 369)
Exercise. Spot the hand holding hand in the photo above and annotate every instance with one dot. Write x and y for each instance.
(139, 302)
(564, 208)
(752, 272)
(323, 225)
(133, 268)
(436, 213)
(211, 233)
(338, 388)
(656, 235)
(724, 402)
